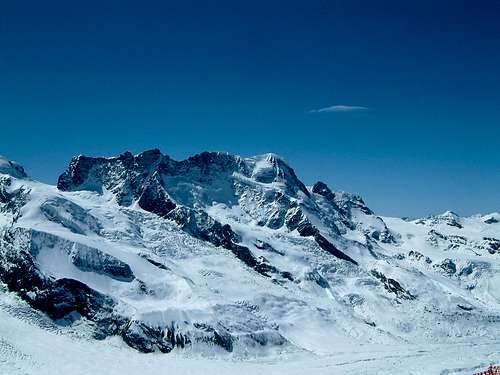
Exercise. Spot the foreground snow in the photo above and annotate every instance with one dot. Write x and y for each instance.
(28, 348)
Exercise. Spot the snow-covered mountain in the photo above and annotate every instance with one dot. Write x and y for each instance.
(222, 254)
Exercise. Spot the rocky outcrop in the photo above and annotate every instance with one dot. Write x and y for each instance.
(218, 336)
(155, 199)
(70, 299)
(200, 225)
(412, 254)
(347, 202)
(296, 220)
(61, 299)
(435, 238)
(329, 247)
(447, 266)
(322, 189)
(343, 210)
(492, 245)
(149, 338)
(491, 220)
(18, 268)
(392, 286)
(12, 200)
(448, 218)
(146, 339)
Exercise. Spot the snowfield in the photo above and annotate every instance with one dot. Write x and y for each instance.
(137, 264)
(30, 344)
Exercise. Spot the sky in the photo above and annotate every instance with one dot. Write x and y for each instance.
(396, 101)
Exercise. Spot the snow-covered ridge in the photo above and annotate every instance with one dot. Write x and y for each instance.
(223, 254)
(11, 168)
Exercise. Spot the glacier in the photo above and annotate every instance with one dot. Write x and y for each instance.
(220, 257)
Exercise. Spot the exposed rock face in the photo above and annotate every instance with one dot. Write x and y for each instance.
(447, 266)
(492, 245)
(65, 299)
(146, 339)
(155, 199)
(328, 246)
(322, 189)
(296, 220)
(198, 224)
(491, 220)
(159, 184)
(419, 256)
(218, 336)
(346, 202)
(268, 247)
(474, 269)
(344, 209)
(393, 286)
(129, 176)
(18, 269)
(126, 176)
(153, 179)
(11, 200)
(435, 238)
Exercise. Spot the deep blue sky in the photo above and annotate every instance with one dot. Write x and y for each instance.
(243, 77)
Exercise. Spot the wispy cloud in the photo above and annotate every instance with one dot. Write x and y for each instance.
(341, 108)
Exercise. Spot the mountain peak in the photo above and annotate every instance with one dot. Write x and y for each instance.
(127, 170)
(11, 168)
(269, 168)
(322, 189)
(449, 213)
(449, 218)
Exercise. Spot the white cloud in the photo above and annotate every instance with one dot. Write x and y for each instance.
(340, 108)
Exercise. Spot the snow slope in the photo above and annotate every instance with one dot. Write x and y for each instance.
(31, 344)
(232, 257)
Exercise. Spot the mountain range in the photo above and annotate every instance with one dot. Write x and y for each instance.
(225, 255)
